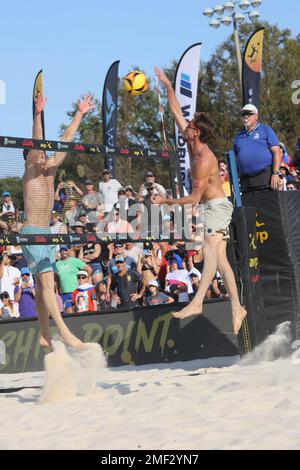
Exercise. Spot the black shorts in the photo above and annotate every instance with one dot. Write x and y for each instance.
(263, 178)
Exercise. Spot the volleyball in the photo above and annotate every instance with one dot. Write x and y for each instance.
(135, 82)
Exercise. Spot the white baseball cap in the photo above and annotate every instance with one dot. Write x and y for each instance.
(250, 107)
(153, 283)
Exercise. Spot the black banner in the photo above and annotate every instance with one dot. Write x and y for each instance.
(56, 146)
(38, 88)
(110, 113)
(144, 335)
(254, 328)
(278, 247)
(252, 66)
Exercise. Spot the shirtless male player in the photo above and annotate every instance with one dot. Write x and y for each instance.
(38, 188)
(207, 189)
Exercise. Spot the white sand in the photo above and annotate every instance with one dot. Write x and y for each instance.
(181, 406)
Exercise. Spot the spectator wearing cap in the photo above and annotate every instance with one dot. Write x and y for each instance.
(124, 288)
(25, 295)
(118, 250)
(8, 205)
(65, 192)
(78, 228)
(84, 296)
(122, 203)
(157, 188)
(67, 269)
(155, 297)
(108, 188)
(257, 151)
(92, 202)
(195, 277)
(83, 218)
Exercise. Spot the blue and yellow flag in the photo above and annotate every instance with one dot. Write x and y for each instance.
(252, 67)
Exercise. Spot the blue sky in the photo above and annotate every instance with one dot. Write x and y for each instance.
(75, 42)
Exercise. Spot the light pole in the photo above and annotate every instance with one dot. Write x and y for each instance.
(227, 14)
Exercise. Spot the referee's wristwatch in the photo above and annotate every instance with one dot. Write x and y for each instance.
(276, 173)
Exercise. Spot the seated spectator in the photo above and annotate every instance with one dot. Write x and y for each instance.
(25, 295)
(67, 269)
(124, 288)
(7, 308)
(178, 283)
(118, 225)
(79, 229)
(91, 255)
(56, 225)
(84, 297)
(119, 249)
(83, 219)
(293, 186)
(156, 297)
(195, 277)
(133, 250)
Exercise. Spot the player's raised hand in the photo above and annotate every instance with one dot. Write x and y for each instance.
(86, 104)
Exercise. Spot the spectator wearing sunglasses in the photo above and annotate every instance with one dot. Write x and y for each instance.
(84, 297)
(258, 153)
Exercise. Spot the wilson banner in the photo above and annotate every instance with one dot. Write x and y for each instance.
(186, 87)
(110, 112)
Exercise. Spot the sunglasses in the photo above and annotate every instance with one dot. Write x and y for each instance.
(25, 275)
(4, 297)
(192, 126)
(122, 192)
(120, 262)
(247, 113)
(105, 173)
(81, 277)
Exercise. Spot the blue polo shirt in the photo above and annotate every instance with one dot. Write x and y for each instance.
(253, 149)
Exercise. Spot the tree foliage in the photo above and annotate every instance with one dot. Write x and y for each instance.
(139, 121)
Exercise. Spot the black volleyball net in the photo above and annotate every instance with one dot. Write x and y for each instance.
(89, 205)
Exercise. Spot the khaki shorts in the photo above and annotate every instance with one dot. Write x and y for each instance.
(217, 217)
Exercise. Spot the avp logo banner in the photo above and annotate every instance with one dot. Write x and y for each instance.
(2, 92)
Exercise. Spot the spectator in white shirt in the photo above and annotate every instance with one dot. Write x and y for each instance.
(9, 278)
(108, 188)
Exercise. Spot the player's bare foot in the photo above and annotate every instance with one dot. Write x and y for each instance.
(189, 311)
(45, 342)
(238, 316)
(70, 340)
